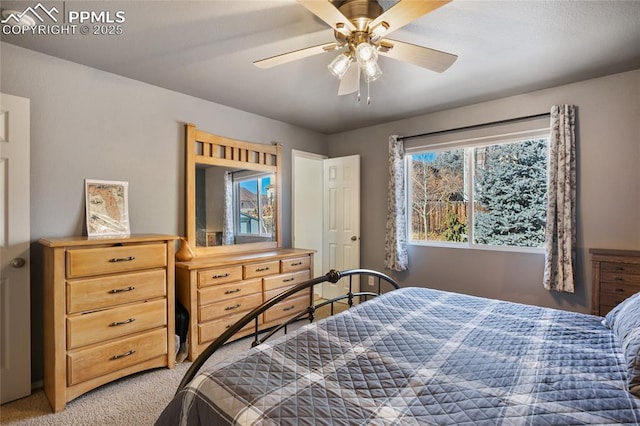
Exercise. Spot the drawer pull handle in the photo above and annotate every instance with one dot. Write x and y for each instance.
(286, 280)
(289, 308)
(117, 323)
(230, 308)
(120, 290)
(266, 268)
(619, 279)
(220, 276)
(122, 259)
(620, 290)
(232, 291)
(131, 352)
(620, 268)
(296, 264)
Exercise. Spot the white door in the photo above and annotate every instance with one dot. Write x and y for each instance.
(341, 224)
(15, 316)
(307, 205)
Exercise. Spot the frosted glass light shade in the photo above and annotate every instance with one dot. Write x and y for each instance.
(339, 66)
(366, 53)
(371, 71)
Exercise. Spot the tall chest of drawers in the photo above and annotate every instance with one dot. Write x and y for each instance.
(219, 290)
(108, 311)
(616, 276)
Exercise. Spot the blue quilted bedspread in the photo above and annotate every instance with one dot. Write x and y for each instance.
(416, 357)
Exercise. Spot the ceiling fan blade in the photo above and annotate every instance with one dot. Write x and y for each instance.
(295, 55)
(404, 12)
(326, 11)
(431, 59)
(349, 81)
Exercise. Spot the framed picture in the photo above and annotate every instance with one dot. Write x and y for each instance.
(107, 208)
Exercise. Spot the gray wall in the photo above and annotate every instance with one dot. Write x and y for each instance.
(608, 133)
(87, 123)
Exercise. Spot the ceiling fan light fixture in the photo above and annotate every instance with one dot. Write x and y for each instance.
(371, 71)
(339, 66)
(365, 53)
(379, 30)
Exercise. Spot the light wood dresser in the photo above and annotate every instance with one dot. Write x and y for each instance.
(108, 311)
(616, 276)
(219, 290)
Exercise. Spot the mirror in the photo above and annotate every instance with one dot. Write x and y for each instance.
(233, 193)
(234, 206)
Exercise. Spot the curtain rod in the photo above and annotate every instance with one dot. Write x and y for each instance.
(476, 126)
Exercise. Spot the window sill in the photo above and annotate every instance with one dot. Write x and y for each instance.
(511, 249)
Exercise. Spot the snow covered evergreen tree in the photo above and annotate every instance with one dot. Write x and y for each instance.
(510, 184)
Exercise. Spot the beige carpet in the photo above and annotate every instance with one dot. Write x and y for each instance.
(134, 400)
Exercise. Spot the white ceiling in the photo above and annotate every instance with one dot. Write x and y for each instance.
(206, 49)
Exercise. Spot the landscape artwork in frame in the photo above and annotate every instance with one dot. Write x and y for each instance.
(107, 208)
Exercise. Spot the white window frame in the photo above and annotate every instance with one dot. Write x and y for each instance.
(539, 133)
(236, 203)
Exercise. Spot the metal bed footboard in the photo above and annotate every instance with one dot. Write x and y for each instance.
(260, 336)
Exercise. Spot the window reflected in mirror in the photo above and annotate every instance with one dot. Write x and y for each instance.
(234, 206)
(254, 215)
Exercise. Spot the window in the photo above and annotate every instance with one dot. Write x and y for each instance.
(255, 198)
(480, 195)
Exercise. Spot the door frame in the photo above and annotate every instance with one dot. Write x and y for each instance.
(320, 256)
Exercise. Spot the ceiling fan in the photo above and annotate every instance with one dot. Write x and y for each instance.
(359, 29)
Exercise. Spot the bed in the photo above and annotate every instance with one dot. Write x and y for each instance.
(416, 356)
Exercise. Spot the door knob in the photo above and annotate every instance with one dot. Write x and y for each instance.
(354, 238)
(18, 262)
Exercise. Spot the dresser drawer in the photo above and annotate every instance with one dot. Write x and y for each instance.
(107, 260)
(619, 288)
(608, 302)
(99, 360)
(295, 264)
(285, 280)
(262, 269)
(619, 278)
(104, 325)
(615, 268)
(222, 292)
(287, 308)
(276, 291)
(209, 331)
(612, 294)
(213, 276)
(98, 293)
(228, 307)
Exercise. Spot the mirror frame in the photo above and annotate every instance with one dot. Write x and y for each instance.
(209, 149)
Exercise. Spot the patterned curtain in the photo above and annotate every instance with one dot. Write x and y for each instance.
(228, 236)
(395, 251)
(560, 233)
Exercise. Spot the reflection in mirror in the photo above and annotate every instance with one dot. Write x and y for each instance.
(234, 206)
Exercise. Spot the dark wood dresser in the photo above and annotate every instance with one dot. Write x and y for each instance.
(616, 276)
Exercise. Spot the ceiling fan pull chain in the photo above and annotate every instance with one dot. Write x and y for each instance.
(358, 82)
(368, 95)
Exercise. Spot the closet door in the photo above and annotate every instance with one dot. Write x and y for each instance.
(15, 306)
